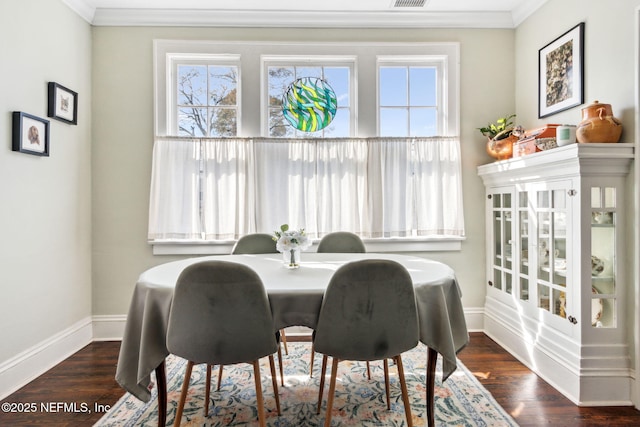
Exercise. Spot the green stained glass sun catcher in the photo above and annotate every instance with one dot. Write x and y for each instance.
(309, 104)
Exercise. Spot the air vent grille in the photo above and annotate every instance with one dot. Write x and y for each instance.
(409, 3)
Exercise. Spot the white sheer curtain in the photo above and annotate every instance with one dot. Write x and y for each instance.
(374, 187)
(174, 208)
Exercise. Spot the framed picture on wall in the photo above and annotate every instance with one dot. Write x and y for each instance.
(63, 104)
(30, 134)
(561, 73)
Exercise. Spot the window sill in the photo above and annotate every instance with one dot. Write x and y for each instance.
(373, 245)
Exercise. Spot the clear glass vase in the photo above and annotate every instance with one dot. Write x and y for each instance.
(291, 258)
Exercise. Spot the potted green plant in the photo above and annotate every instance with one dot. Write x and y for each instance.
(500, 137)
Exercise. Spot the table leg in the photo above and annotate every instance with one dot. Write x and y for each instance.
(432, 358)
(161, 383)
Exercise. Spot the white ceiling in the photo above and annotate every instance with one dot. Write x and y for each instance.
(297, 13)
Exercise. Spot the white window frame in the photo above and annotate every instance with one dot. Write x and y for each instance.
(348, 61)
(364, 107)
(439, 62)
(175, 59)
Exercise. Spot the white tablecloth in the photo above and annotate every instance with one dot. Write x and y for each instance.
(295, 297)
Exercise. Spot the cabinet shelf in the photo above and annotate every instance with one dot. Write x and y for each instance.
(558, 272)
(602, 278)
(596, 225)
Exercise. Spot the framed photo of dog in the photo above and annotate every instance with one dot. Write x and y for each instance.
(30, 134)
(63, 104)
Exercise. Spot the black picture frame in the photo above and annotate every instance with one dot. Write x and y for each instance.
(63, 104)
(30, 134)
(561, 73)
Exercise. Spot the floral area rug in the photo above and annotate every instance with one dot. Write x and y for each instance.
(460, 401)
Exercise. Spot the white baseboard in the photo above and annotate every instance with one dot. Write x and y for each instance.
(33, 362)
(109, 328)
(474, 317)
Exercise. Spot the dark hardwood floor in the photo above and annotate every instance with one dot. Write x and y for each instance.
(80, 389)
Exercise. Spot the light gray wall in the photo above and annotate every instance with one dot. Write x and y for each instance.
(45, 213)
(610, 58)
(123, 138)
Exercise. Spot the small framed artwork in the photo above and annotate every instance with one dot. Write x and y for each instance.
(30, 134)
(561, 73)
(63, 104)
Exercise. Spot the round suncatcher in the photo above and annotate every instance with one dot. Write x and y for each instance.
(309, 104)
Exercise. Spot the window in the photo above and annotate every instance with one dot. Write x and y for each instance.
(202, 96)
(207, 100)
(409, 101)
(281, 73)
(226, 163)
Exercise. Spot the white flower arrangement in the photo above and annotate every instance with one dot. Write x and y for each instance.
(288, 240)
(290, 243)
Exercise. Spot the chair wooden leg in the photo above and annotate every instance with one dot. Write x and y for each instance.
(321, 390)
(368, 371)
(332, 391)
(280, 366)
(259, 399)
(432, 358)
(183, 395)
(283, 337)
(386, 382)
(207, 391)
(405, 393)
(274, 381)
(219, 376)
(313, 356)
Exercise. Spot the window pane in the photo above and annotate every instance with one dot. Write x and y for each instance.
(423, 122)
(278, 126)
(338, 79)
(393, 122)
(422, 86)
(223, 84)
(279, 80)
(309, 72)
(192, 122)
(339, 127)
(393, 86)
(223, 122)
(192, 85)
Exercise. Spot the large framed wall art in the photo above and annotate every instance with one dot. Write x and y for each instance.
(561, 73)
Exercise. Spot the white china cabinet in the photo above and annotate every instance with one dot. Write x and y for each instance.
(557, 275)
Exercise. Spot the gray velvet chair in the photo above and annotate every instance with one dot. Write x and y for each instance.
(220, 315)
(256, 243)
(341, 242)
(259, 243)
(368, 313)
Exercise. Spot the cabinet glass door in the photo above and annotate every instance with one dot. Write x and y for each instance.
(551, 218)
(603, 257)
(523, 234)
(502, 264)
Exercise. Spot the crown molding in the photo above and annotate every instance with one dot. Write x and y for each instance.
(82, 8)
(263, 18)
(524, 10)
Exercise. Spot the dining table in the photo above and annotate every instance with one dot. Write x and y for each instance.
(295, 297)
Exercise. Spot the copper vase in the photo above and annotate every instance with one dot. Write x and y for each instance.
(598, 124)
(501, 149)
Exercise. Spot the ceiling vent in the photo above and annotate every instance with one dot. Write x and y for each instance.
(409, 3)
